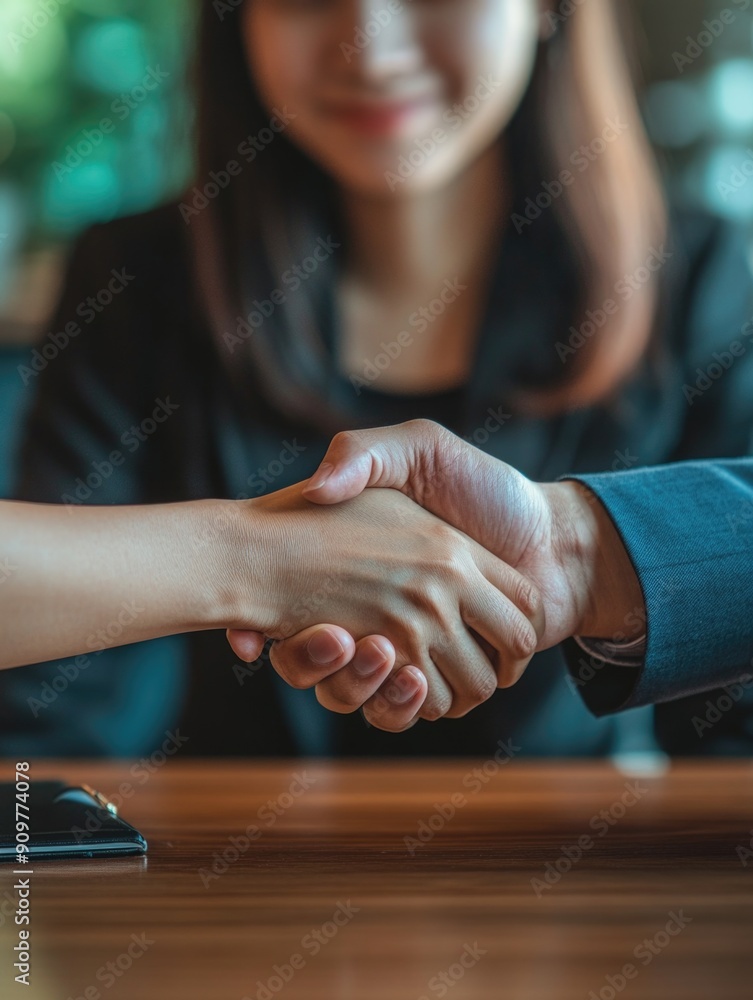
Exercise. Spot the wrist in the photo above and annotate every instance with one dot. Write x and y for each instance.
(231, 556)
(608, 597)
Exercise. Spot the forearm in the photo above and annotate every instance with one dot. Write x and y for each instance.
(75, 580)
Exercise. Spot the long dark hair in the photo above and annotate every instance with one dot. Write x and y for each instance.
(269, 217)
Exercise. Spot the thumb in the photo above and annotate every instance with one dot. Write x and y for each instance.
(246, 645)
(386, 457)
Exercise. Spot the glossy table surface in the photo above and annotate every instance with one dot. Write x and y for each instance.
(296, 879)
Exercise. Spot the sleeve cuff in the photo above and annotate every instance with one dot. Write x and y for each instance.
(618, 654)
(690, 546)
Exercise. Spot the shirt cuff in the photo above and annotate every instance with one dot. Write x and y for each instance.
(618, 654)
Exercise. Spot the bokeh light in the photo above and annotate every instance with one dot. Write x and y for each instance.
(731, 95)
(111, 56)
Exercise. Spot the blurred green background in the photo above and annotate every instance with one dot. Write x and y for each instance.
(93, 115)
(60, 75)
(68, 66)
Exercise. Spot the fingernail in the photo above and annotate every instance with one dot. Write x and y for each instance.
(402, 689)
(368, 660)
(324, 647)
(321, 476)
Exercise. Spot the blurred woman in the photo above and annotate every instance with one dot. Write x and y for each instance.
(441, 208)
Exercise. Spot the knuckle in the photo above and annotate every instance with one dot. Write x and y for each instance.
(523, 640)
(445, 539)
(426, 595)
(528, 598)
(347, 441)
(448, 557)
(423, 426)
(483, 688)
(437, 707)
(510, 674)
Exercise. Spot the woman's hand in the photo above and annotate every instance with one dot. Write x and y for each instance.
(381, 564)
(557, 534)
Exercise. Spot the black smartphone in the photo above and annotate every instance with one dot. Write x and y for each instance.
(64, 821)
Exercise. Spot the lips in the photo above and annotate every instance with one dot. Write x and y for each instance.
(384, 118)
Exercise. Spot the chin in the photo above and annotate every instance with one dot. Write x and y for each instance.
(384, 181)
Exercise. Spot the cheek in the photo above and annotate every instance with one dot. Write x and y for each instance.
(497, 46)
(283, 58)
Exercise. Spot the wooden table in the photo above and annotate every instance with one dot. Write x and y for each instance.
(322, 897)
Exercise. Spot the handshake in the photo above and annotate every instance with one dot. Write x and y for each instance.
(457, 566)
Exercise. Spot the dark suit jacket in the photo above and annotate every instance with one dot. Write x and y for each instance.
(149, 348)
(689, 531)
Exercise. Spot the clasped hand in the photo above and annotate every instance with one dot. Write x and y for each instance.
(444, 570)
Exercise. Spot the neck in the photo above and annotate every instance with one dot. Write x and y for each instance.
(400, 244)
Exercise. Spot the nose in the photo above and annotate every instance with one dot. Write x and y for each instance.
(384, 41)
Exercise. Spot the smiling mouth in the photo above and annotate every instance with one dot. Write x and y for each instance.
(383, 118)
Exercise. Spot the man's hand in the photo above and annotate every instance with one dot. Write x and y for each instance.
(557, 535)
